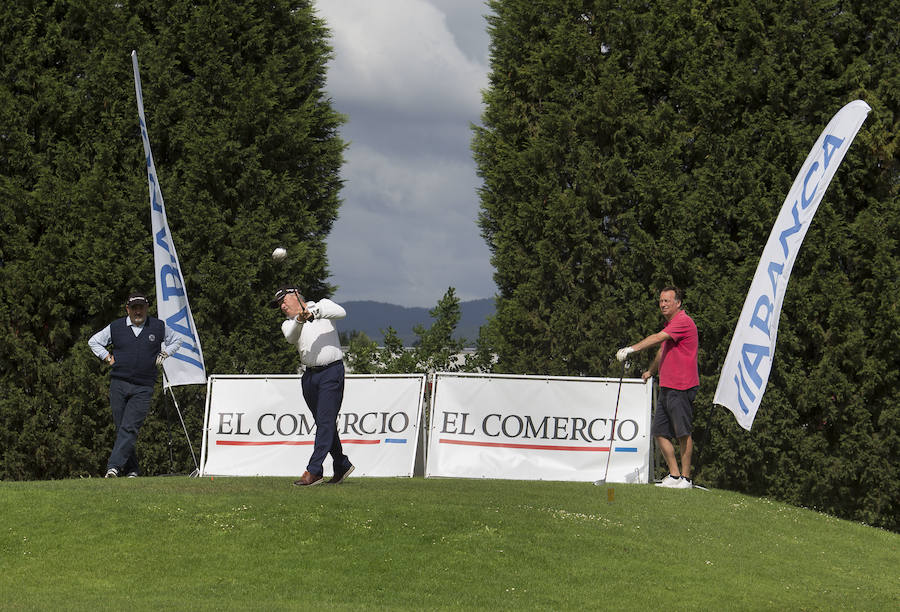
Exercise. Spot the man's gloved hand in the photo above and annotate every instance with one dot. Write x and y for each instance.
(623, 354)
(160, 358)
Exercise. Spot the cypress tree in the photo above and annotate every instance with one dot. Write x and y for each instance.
(248, 154)
(626, 146)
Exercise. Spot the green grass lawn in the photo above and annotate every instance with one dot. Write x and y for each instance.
(259, 543)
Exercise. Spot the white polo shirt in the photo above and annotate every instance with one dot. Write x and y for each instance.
(317, 341)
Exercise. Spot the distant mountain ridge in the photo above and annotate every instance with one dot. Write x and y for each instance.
(373, 318)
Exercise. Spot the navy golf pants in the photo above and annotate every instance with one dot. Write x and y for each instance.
(130, 405)
(323, 391)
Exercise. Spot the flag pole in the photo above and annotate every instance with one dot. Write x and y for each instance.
(196, 471)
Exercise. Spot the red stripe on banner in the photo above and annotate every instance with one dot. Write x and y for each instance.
(287, 442)
(527, 446)
(271, 443)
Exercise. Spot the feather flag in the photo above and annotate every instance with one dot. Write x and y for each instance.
(185, 367)
(749, 361)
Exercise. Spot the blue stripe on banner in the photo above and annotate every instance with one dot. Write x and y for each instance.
(394, 441)
(626, 449)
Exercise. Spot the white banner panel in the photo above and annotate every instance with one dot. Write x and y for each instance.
(748, 363)
(260, 425)
(539, 428)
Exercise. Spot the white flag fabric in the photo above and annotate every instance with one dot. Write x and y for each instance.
(749, 360)
(186, 366)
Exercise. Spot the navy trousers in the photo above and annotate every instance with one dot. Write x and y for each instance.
(130, 405)
(323, 391)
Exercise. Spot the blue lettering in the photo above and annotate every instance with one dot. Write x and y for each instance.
(759, 322)
(741, 399)
(176, 288)
(187, 359)
(777, 269)
(831, 144)
(180, 323)
(154, 189)
(759, 353)
(189, 347)
(808, 201)
(791, 230)
(744, 384)
(161, 240)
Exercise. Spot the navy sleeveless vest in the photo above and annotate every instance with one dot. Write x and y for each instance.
(136, 355)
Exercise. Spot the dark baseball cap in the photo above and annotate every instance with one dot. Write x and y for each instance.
(137, 298)
(283, 291)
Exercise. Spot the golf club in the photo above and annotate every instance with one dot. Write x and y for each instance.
(615, 417)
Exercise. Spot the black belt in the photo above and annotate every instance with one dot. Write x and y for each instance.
(324, 367)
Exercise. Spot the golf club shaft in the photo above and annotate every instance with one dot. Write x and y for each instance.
(615, 418)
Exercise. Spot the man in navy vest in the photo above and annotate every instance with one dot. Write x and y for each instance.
(140, 343)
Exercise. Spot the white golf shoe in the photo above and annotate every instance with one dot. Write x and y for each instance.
(669, 482)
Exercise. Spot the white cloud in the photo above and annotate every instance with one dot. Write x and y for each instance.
(411, 232)
(407, 227)
(403, 59)
(415, 187)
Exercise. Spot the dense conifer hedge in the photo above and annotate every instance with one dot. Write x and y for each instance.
(248, 154)
(628, 145)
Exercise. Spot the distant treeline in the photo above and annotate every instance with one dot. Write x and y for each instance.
(374, 318)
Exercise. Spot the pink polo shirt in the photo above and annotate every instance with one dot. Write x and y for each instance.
(678, 364)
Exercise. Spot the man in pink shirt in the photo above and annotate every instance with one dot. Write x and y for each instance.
(676, 363)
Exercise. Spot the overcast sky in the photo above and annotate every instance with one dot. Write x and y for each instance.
(409, 75)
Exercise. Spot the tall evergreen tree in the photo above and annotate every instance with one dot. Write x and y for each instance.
(248, 155)
(626, 146)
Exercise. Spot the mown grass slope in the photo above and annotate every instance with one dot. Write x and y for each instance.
(414, 544)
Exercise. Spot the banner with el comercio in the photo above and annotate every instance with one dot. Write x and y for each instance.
(540, 428)
(260, 425)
